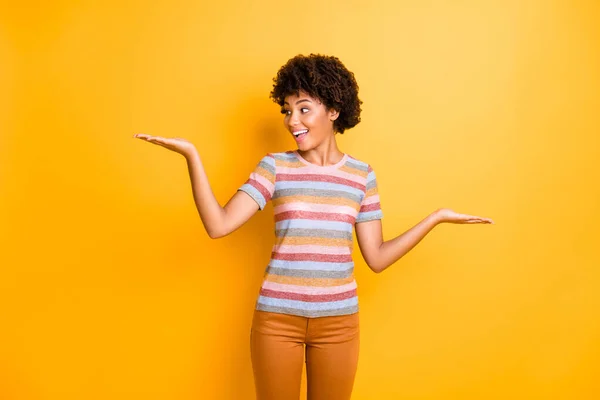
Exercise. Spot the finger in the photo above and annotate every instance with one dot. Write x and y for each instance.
(475, 217)
(141, 136)
(485, 220)
(147, 138)
(158, 139)
(167, 143)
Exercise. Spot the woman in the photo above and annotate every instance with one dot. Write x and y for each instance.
(308, 304)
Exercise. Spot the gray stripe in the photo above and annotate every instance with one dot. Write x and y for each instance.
(315, 192)
(268, 167)
(371, 184)
(361, 167)
(285, 157)
(316, 233)
(310, 273)
(307, 313)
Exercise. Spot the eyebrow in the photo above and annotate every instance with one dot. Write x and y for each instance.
(298, 102)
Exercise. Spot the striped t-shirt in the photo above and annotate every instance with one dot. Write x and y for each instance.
(311, 271)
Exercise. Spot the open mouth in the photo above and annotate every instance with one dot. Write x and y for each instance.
(299, 135)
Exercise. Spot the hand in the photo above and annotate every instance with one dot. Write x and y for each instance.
(178, 145)
(447, 215)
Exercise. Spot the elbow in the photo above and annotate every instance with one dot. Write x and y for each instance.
(376, 267)
(216, 233)
(218, 230)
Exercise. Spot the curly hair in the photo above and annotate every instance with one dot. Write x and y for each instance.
(322, 77)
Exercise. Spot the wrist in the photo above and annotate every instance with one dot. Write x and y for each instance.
(192, 155)
(437, 217)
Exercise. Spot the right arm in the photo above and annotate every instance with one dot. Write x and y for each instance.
(218, 221)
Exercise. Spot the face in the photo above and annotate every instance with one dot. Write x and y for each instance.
(308, 120)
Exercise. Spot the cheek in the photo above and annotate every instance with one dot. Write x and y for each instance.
(314, 121)
(321, 122)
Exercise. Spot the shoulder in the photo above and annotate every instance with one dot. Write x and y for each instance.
(359, 165)
(274, 159)
(364, 169)
(283, 155)
(282, 158)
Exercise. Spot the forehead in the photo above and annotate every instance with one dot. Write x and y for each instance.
(293, 98)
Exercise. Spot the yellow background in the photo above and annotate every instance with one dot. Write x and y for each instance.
(110, 288)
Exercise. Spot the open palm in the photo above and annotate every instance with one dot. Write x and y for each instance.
(178, 145)
(448, 215)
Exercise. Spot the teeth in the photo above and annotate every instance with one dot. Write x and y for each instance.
(300, 132)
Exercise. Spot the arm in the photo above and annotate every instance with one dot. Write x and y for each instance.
(218, 221)
(379, 254)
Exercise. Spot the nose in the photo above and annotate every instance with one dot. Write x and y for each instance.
(293, 120)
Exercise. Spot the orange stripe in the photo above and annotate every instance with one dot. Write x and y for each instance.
(299, 240)
(354, 171)
(289, 164)
(371, 191)
(290, 280)
(265, 173)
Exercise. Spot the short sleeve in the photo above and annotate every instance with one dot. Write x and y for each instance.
(370, 207)
(261, 183)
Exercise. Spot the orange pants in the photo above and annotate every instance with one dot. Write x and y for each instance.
(277, 347)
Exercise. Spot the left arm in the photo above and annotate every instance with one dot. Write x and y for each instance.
(379, 254)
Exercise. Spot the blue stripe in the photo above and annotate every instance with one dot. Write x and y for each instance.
(286, 157)
(317, 185)
(313, 224)
(359, 165)
(305, 305)
(312, 265)
(255, 194)
(369, 215)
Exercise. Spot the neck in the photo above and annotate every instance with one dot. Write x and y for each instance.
(326, 153)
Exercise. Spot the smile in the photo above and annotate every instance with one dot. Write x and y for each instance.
(298, 133)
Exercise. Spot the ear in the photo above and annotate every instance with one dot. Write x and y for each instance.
(333, 114)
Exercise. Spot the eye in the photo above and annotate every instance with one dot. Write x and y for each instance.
(304, 110)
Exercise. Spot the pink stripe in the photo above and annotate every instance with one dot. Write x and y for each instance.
(370, 207)
(312, 249)
(371, 200)
(313, 216)
(282, 287)
(313, 207)
(308, 297)
(340, 174)
(338, 258)
(264, 181)
(318, 178)
(260, 188)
